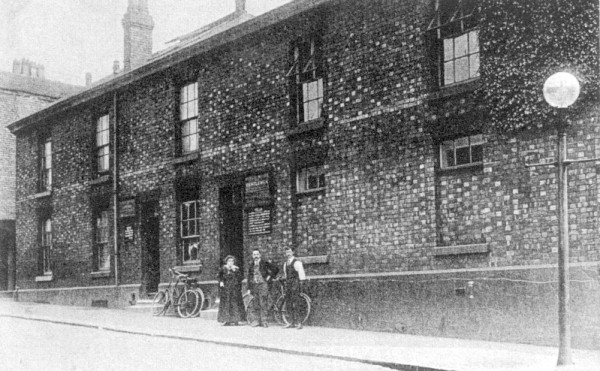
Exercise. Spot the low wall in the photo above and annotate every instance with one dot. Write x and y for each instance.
(517, 305)
(513, 304)
(101, 296)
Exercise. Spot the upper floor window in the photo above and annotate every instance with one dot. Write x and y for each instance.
(462, 151)
(45, 163)
(103, 144)
(102, 241)
(454, 27)
(188, 116)
(45, 245)
(306, 80)
(309, 179)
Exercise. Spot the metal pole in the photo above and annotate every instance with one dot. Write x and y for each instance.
(564, 330)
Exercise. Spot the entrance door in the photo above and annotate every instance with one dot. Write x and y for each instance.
(231, 215)
(150, 247)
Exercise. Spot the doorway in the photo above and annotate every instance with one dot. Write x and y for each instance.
(231, 218)
(150, 247)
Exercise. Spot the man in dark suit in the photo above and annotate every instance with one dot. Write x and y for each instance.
(260, 272)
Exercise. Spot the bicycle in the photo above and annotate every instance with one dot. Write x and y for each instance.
(277, 308)
(187, 299)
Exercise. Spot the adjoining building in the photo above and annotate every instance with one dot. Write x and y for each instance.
(349, 130)
(23, 91)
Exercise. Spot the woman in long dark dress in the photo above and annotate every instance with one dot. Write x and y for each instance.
(231, 306)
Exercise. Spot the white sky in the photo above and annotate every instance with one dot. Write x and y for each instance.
(72, 37)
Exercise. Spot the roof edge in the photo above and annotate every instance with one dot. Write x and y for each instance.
(277, 15)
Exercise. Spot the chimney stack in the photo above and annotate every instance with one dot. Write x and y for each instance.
(116, 67)
(25, 67)
(137, 26)
(240, 6)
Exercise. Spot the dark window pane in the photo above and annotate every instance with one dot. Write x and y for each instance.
(462, 156)
(477, 153)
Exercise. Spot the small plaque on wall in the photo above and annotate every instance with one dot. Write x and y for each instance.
(127, 208)
(128, 233)
(259, 221)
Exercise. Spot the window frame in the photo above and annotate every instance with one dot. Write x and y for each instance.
(457, 19)
(306, 80)
(102, 240)
(45, 163)
(187, 118)
(474, 140)
(45, 230)
(303, 178)
(102, 144)
(187, 241)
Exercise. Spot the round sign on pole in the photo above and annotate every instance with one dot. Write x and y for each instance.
(561, 90)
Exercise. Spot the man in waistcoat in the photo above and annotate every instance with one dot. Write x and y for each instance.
(260, 272)
(293, 272)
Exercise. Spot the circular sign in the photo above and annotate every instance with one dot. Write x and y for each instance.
(561, 90)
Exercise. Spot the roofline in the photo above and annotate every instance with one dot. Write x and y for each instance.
(253, 25)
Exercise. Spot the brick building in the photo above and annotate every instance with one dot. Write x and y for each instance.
(343, 128)
(22, 92)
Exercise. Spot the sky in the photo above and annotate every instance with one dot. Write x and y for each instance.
(72, 37)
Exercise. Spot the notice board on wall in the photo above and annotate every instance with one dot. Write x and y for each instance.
(258, 203)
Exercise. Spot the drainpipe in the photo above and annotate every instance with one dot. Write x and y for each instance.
(115, 190)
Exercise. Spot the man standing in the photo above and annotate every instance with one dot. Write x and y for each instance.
(293, 272)
(260, 272)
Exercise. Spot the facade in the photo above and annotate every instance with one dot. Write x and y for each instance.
(350, 130)
(22, 92)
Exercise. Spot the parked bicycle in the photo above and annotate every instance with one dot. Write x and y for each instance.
(186, 300)
(277, 308)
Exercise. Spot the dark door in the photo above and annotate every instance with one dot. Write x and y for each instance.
(232, 222)
(150, 247)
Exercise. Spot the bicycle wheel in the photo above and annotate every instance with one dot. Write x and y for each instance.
(158, 303)
(251, 316)
(201, 304)
(278, 310)
(303, 310)
(187, 303)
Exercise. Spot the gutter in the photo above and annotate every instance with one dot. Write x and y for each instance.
(295, 7)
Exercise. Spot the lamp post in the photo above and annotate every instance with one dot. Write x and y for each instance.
(562, 90)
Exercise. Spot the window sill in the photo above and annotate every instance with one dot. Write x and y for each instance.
(306, 127)
(47, 193)
(480, 248)
(47, 277)
(100, 274)
(184, 159)
(101, 179)
(315, 259)
(188, 268)
(316, 192)
(456, 89)
(476, 167)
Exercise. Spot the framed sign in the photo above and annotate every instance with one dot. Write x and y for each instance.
(258, 190)
(259, 221)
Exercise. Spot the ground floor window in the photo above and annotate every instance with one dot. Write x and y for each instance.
(462, 151)
(310, 178)
(102, 243)
(45, 245)
(190, 230)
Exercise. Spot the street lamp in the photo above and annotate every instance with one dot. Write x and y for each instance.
(562, 90)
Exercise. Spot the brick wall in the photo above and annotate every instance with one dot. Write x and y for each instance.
(386, 206)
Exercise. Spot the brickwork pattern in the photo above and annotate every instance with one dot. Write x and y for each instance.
(386, 205)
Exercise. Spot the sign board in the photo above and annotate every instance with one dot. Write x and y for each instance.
(128, 233)
(258, 190)
(259, 221)
(127, 208)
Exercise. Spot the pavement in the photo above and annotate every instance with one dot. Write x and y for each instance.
(394, 351)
